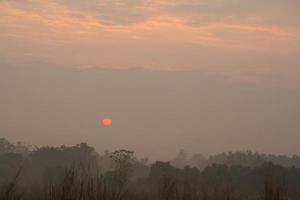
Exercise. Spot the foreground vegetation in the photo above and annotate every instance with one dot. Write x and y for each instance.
(80, 173)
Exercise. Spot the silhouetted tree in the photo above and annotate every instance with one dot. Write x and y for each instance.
(180, 161)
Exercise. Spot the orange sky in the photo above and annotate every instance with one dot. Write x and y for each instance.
(186, 73)
(239, 38)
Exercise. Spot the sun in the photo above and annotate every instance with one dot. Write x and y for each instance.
(106, 121)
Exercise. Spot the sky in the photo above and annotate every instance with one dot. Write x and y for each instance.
(203, 75)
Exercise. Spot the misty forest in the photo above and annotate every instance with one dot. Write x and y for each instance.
(80, 173)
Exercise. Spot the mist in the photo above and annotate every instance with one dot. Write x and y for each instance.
(155, 113)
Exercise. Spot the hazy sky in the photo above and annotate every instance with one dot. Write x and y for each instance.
(204, 75)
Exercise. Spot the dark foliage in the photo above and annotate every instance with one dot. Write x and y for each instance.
(79, 173)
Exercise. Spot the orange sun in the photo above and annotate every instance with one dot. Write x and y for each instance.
(106, 121)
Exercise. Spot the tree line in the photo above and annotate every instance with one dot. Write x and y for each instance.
(80, 173)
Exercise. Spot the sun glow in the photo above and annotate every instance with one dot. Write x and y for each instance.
(106, 121)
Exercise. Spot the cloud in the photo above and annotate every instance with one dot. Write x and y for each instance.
(232, 36)
(194, 11)
(275, 12)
